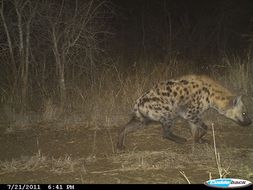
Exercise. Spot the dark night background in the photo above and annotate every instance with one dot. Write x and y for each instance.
(191, 29)
(71, 71)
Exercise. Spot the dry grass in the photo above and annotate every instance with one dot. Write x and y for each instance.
(184, 175)
(202, 156)
(222, 171)
(132, 161)
(50, 111)
(41, 163)
(180, 166)
(114, 88)
(238, 74)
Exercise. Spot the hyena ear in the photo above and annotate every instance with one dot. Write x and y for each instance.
(236, 100)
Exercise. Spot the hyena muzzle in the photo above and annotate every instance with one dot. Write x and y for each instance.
(187, 97)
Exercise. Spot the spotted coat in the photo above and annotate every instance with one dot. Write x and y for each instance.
(187, 97)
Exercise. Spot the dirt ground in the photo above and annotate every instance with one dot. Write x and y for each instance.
(44, 153)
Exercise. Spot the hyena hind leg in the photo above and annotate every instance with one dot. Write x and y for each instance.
(167, 133)
(198, 131)
(131, 126)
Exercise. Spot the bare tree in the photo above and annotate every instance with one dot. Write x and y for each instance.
(10, 45)
(19, 47)
(24, 41)
(48, 43)
(70, 32)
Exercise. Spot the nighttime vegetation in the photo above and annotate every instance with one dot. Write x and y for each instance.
(71, 71)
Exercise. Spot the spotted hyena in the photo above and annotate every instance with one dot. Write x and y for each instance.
(187, 97)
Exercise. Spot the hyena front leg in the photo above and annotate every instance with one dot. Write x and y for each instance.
(167, 133)
(198, 130)
(131, 126)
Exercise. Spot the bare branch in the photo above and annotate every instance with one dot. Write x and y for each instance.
(8, 37)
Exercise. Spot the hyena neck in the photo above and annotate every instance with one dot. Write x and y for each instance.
(220, 99)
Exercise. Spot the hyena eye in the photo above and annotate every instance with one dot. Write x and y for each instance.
(243, 114)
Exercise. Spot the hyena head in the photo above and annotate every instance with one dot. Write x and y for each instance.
(236, 111)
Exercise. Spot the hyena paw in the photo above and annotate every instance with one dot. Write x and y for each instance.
(203, 141)
(175, 138)
(120, 148)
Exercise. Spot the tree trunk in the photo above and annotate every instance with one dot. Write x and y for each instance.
(60, 70)
(62, 85)
(24, 67)
(14, 68)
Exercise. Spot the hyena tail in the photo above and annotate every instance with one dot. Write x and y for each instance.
(131, 126)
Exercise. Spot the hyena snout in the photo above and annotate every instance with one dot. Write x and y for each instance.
(238, 112)
(244, 120)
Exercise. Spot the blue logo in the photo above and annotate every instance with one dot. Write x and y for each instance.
(227, 183)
